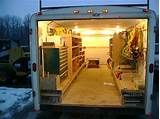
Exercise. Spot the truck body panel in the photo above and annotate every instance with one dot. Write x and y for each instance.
(81, 13)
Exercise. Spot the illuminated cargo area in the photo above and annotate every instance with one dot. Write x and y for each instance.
(94, 62)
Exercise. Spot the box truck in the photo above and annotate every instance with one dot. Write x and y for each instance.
(98, 57)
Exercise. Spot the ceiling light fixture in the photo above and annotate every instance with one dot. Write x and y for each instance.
(90, 11)
(76, 12)
(105, 11)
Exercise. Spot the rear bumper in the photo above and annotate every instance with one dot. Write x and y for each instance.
(94, 109)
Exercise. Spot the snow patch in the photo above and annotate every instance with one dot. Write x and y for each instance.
(13, 100)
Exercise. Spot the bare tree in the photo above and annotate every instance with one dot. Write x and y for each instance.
(2, 28)
(13, 28)
(26, 28)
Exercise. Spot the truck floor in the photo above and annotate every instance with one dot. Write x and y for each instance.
(93, 86)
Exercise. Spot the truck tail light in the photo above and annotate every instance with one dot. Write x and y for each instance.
(151, 68)
(34, 67)
(145, 10)
(39, 13)
(149, 115)
(30, 31)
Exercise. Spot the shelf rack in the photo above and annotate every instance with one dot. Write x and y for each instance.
(75, 59)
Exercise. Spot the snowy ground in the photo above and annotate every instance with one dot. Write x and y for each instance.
(14, 100)
(16, 103)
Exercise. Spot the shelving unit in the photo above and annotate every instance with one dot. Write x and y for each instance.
(76, 58)
(55, 62)
(128, 90)
(77, 53)
(63, 62)
(124, 83)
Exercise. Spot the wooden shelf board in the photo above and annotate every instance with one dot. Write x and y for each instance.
(76, 46)
(75, 36)
(63, 73)
(75, 57)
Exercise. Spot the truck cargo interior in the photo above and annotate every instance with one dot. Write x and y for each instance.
(94, 62)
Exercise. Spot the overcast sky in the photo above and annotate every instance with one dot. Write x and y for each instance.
(23, 7)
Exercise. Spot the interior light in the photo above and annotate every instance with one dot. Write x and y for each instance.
(76, 29)
(107, 32)
(88, 32)
(118, 29)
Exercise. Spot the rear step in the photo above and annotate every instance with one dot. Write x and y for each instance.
(133, 97)
(50, 96)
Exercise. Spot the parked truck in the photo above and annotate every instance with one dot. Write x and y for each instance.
(93, 57)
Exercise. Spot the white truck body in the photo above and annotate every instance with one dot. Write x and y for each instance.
(114, 12)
